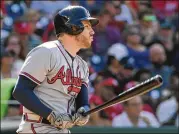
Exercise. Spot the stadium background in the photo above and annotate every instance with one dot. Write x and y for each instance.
(134, 41)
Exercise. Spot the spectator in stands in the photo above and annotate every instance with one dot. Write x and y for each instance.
(148, 25)
(110, 7)
(103, 89)
(49, 7)
(25, 27)
(4, 32)
(32, 18)
(27, 4)
(136, 7)
(14, 9)
(123, 12)
(133, 116)
(168, 110)
(143, 5)
(49, 33)
(91, 4)
(165, 36)
(1, 18)
(140, 76)
(158, 58)
(146, 99)
(175, 51)
(7, 59)
(105, 35)
(135, 49)
(107, 93)
(113, 7)
(119, 66)
(13, 43)
(98, 118)
(165, 9)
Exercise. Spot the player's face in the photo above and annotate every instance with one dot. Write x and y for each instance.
(86, 37)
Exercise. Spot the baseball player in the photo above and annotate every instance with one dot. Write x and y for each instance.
(52, 85)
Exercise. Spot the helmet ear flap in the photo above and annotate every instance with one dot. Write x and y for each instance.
(64, 26)
(60, 24)
(74, 29)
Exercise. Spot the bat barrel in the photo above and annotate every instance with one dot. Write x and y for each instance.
(139, 89)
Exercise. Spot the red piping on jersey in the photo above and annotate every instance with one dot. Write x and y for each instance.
(69, 64)
(31, 77)
(64, 56)
(33, 130)
(77, 70)
(68, 107)
(85, 84)
(37, 121)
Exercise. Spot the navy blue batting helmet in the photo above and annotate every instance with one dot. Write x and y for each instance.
(68, 20)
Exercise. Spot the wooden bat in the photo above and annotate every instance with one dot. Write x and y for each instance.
(139, 89)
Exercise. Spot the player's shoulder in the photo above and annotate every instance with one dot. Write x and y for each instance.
(49, 44)
(44, 48)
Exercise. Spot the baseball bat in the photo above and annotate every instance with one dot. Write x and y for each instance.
(139, 89)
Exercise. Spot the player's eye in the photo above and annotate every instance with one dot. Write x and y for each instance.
(87, 26)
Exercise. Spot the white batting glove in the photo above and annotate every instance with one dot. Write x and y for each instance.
(59, 120)
(79, 119)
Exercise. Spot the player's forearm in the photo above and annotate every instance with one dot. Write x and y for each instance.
(82, 98)
(23, 92)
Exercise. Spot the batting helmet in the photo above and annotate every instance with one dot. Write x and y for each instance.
(68, 20)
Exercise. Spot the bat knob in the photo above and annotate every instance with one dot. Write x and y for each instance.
(159, 78)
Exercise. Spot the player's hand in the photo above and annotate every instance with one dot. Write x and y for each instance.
(61, 120)
(79, 119)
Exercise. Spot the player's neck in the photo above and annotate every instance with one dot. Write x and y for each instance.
(72, 50)
(70, 47)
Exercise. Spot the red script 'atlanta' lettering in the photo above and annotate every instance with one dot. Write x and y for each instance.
(76, 81)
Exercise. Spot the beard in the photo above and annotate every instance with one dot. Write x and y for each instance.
(84, 42)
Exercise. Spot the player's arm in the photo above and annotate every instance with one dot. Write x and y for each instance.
(33, 72)
(23, 92)
(38, 63)
(82, 102)
(82, 105)
(82, 98)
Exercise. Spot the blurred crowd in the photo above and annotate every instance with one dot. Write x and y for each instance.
(134, 41)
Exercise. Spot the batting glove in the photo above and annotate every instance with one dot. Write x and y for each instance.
(79, 118)
(59, 120)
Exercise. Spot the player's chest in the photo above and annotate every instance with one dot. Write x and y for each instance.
(67, 75)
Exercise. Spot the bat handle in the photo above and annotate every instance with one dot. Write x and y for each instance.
(86, 113)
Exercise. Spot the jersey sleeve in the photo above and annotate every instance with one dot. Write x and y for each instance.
(37, 64)
(85, 80)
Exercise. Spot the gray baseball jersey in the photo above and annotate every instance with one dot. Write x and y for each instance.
(59, 78)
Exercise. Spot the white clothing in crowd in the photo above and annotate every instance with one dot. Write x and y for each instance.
(146, 119)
